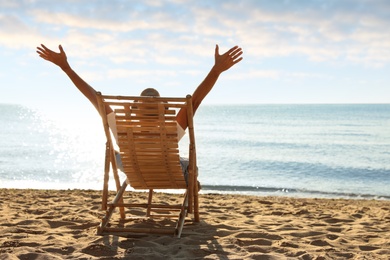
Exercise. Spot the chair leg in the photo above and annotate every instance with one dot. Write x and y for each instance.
(106, 177)
(196, 202)
(110, 210)
(116, 178)
(182, 217)
(149, 203)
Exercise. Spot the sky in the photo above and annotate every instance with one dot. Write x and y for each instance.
(333, 51)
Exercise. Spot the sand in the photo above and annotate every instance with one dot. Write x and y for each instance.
(53, 224)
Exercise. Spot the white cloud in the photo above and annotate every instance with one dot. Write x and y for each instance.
(179, 33)
(14, 33)
(125, 73)
(318, 34)
(155, 21)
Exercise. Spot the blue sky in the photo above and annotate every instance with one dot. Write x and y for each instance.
(334, 51)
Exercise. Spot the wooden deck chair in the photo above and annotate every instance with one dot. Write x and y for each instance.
(146, 133)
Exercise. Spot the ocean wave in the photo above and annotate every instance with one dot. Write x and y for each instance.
(279, 191)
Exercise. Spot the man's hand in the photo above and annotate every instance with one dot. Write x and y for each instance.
(58, 59)
(228, 59)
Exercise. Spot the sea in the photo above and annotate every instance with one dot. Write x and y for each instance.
(295, 150)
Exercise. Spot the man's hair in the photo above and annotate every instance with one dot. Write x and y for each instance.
(150, 92)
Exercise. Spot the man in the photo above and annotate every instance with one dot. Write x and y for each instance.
(222, 63)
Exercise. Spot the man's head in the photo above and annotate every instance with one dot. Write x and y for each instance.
(150, 92)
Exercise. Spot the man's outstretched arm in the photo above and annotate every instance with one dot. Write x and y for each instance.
(222, 63)
(61, 61)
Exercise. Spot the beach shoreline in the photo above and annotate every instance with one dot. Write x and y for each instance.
(61, 224)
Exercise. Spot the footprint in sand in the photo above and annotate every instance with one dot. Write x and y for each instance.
(368, 248)
(319, 242)
(334, 229)
(336, 220)
(288, 244)
(98, 250)
(306, 234)
(251, 242)
(332, 236)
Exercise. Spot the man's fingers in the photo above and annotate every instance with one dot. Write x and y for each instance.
(216, 50)
(233, 49)
(43, 46)
(235, 55)
(237, 60)
(236, 51)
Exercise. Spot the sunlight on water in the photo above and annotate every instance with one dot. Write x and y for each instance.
(56, 150)
(79, 146)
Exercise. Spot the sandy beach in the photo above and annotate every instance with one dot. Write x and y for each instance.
(61, 224)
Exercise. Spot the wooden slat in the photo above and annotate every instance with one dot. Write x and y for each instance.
(170, 142)
(123, 124)
(157, 168)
